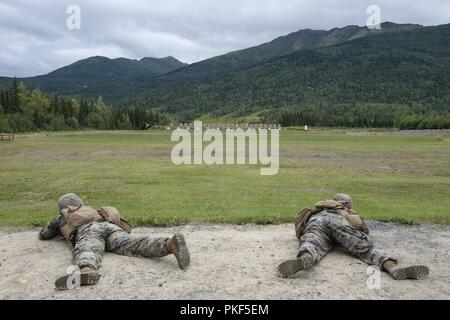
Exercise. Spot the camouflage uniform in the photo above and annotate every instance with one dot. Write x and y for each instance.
(327, 229)
(93, 239)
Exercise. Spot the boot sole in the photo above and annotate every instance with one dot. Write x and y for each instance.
(86, 279)
(290, 267)
(182, 255)
(417, 272)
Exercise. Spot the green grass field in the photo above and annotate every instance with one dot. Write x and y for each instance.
(391, 178)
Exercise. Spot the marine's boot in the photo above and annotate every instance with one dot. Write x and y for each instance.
(177, 246)
(417, 272)
(290, 267)
(87, 277)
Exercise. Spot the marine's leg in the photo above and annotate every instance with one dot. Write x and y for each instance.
(360, 246)
(315, 243)
(90, 246)
(417, 272)
(178, 247)
(87, 255)
(124, 243)
(355, 242)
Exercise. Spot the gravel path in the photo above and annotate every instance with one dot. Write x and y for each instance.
(228, 262)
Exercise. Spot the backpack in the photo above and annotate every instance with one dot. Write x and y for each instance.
(77, 217)
(302, 218)
(82, 215)
(112, 215)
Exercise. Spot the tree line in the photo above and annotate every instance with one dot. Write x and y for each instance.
(371, 115)
(23, 110)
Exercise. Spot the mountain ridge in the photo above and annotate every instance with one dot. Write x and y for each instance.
(93, 74)
(280, 46)
(407, 71)
(112, 78)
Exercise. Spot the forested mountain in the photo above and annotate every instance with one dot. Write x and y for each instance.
(399, 76)
(99, 76)
(380, 76)
(293, 42)
(115, 78)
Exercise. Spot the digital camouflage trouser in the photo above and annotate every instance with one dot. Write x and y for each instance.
(326, 229)
(93, 239)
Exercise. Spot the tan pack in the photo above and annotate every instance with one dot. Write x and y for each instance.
(302, 218)
(77, 217)
(112, 215)
(328, 204)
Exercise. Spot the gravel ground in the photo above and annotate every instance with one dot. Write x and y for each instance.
(228, 262)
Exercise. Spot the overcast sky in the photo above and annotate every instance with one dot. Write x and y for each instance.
(34, 38)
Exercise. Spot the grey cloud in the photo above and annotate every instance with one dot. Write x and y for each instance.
(35, 39)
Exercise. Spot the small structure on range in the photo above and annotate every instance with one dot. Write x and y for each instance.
(227, 126)
(7, 137)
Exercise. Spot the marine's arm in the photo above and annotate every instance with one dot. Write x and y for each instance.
(359, 222)
(355, 220)
(52, 229)
(364, 227)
